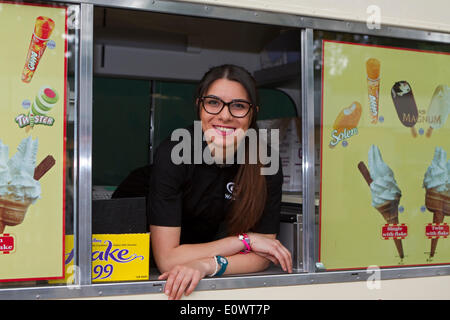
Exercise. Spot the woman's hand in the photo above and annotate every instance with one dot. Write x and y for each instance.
(184, 278)
(269, 247)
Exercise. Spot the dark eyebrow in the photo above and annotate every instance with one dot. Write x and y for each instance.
(240, 100)
(212, 96)
(234, 100)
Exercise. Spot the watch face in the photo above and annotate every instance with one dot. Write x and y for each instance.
(241, 237)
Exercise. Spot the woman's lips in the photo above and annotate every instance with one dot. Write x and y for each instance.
(224, 131)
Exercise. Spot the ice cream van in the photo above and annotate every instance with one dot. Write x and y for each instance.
(352, 90)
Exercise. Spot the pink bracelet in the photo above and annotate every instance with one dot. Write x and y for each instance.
(245, 239)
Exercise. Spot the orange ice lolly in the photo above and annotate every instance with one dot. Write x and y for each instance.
(42, 30)
(373, 84)
(347, 119)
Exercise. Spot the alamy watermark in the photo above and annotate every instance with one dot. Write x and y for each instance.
(374, 19)
(228, 149)
(374, 280)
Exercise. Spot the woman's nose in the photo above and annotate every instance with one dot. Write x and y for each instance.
(225, 113)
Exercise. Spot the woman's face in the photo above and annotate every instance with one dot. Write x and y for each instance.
(222, 129)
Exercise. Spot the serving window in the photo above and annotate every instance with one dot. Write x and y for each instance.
(145, 78)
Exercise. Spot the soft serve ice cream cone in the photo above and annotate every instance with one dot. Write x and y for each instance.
(22, 189)
(385, 191)
(437, 195)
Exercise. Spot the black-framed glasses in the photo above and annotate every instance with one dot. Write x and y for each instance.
(214, 105)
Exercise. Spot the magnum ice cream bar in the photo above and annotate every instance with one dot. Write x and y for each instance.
(439, 108)
(42, 30)
(405, 105)
(373, 83)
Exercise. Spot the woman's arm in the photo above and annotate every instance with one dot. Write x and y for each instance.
(183, 278)
(168, 252)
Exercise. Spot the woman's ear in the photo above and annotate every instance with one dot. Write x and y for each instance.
(257, 108)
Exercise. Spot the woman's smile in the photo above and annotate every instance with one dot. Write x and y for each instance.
(224, 130)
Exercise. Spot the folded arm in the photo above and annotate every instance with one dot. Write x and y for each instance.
(183, 266)
(168, 252)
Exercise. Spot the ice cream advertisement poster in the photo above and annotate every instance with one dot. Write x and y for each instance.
(32, 140)
(385, 151)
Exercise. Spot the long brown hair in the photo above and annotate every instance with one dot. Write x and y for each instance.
(250, 191)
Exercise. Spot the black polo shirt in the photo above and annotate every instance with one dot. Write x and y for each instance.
(196, 197)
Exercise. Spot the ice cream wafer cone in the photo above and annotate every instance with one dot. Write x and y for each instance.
(12, 212)
(439, 204)
(389, 211)
(438, 201)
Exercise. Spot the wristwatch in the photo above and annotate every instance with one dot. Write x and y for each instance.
(246, 240)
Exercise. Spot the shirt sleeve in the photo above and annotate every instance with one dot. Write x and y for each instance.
(269, 222)
(165, 191)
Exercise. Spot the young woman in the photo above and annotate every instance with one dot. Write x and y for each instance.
(220, 218)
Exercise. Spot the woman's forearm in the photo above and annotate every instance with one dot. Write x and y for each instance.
(246, 263)
(186, 253)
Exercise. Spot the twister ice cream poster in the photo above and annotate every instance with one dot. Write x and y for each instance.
(385, 157)
(32, 141)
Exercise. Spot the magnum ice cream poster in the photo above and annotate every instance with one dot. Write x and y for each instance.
(32, 141)
(385, 151)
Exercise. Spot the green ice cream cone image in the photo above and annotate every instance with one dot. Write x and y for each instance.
(45, 100)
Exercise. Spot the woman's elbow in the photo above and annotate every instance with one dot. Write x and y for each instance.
(165, 264)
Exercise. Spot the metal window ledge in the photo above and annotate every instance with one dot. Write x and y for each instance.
(229, 282)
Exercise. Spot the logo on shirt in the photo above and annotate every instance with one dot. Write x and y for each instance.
(230, 186)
